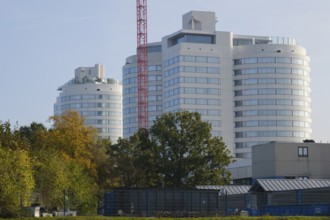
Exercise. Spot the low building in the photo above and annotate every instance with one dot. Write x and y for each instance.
(284, 197)
(241, 171)
(306, 160)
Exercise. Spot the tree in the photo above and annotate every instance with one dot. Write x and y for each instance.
(74, 139)
(133, 161)
(16, 172)
(66, 164)
(178, 151)
(103, 165)
(32, 133)
(189, 155)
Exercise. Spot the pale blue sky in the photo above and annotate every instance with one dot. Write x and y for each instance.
(43, 41)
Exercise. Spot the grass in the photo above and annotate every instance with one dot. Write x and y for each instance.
(205, 218)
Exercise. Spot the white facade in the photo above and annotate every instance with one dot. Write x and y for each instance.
(96, 98)
(252, 89)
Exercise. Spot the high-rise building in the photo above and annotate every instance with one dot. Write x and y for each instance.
(252, 89)
(95, 97)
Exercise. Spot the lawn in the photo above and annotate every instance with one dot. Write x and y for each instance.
(205, 218)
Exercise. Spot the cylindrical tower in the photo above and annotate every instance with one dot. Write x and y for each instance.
(97, 99)
(272, 89)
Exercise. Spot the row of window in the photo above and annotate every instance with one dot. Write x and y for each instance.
(89, 105)
(109, 130)
(192, 90)
(271, 70)
(199, 80)
(103, 122)
(130, 110)
(286, 60)
(240, 145)
(191, 69)
(128, 131)
(151, 78)
(192, 101)
(272, 112)
(259, 81)
(271, 91)
(248, 134)
(134, 90)
(216, 133)
(100, 113)
(151, 98)
(274, 40)
(154, 108)
(191, 38)
(132, 70)
(157, 98)
(258, 102)
(89, 96)
(130, 120)
(194, 59)
(214, 123)
(266, 123)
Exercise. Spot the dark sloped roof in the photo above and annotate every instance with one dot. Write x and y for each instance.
(230, 189)
(275, 185)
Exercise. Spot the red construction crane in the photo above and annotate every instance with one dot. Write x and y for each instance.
(142, 62)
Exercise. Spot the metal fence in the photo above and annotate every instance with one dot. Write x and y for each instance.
(300, 202)
(172, 202)
(201, 202)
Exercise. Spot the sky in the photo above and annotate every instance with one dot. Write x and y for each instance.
(42, 42)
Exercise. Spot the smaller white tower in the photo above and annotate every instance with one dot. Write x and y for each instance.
(95, 97)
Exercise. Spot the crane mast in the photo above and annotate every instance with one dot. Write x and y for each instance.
(142, 62)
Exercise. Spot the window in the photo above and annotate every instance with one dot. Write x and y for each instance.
(302, 151)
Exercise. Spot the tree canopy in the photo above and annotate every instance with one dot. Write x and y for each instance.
(178, 151)
(16, 171)
(41, 165)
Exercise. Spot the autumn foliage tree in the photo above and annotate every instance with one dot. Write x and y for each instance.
(67, 165)
(16, 172)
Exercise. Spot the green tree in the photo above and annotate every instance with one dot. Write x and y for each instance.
(103, 164)
(16, 172)
(10, 138)
(32, 133)
(133, 161)
(189, 155)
